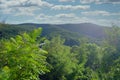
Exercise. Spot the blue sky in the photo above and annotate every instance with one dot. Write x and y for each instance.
(102, 12)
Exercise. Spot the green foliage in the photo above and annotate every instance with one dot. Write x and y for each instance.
(88, 56)
(21, 58)
(7, 31)
(113, 37)
(110, 64)
(4, 73)
(62, 62)
(115, 70)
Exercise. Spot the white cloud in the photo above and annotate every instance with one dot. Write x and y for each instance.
(70, 15)
(20, 11)
(70, 7)
(24, 3)
(81, 1)
(7, 11)
(107, 22)
(32, 7)
(25, 11)
(72, 18)
(40, 3)
(89, 1)
(109, 2)
(58, 18)
(66, 0)
(95, 13)
(112, 1)
(98, 13)
(22, 7)
(63, 16)
(43, 17)
(100, 1)
(61, 19)
(94, 1)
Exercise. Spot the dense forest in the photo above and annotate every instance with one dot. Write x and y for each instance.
(28, 53)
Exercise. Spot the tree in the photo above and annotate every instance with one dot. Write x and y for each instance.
(21, 58)
(110, 63)
(61, 60)
(115, 70)
(88, 56)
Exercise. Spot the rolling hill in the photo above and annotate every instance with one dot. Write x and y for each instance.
(71, 32)
(86, 29)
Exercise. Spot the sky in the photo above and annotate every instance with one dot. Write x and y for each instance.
(101, 12)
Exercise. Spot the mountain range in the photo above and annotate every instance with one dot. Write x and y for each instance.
(85, 29)
(71, 32)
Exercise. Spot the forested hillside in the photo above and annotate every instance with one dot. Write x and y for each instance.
(70, 32)
(85, 29)
(27, 53)
(7, 30)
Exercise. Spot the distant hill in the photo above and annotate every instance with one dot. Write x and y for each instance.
(71, 32)
(86, 29)
(7, 30)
